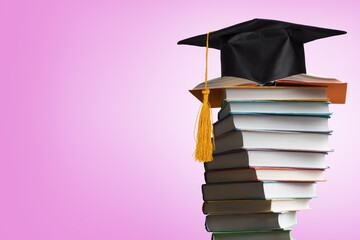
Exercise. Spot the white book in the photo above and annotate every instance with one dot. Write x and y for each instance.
(271, 122)
(254, 206)
(277, 140)
(249, 222)
(264, 174)
(253, 235)
(276, 93)
(275, 108)
(257, 190)
(268, 158)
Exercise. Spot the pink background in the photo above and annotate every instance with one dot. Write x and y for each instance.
(96, 123)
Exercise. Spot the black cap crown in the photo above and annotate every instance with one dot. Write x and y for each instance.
(262, 50)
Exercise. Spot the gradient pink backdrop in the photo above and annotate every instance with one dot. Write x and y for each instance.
(97, 124)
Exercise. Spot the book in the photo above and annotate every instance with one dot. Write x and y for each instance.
(271, 122)
(251, 221)
(257, 190)
(275, 93)
(276, 140)
(319, 109)
(253, 206)
(336, 90)
(266, 67)
(264, 174)
(267, 158)
(253, 235)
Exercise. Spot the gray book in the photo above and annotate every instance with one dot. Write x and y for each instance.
(271, 123)
(268, 158)
(257, 190)
(276, 140)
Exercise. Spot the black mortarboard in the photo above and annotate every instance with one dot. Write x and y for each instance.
(262, 50)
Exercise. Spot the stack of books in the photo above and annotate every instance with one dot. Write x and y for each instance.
(270, 148)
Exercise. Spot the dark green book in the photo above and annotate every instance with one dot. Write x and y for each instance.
(258, 235)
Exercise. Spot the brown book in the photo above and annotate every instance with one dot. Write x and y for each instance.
(264, 174)
(336, 90)
(255, 206)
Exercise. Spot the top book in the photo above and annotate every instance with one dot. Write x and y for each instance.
(336, 90)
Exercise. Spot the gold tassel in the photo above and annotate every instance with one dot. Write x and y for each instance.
(204, 143)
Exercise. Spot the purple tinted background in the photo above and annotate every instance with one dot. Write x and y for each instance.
(97, 124)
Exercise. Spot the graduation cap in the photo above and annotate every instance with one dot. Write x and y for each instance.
(262, 50)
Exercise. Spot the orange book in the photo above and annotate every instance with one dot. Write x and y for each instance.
(336, 90)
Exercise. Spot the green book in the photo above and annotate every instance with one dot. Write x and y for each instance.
(255, 235)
